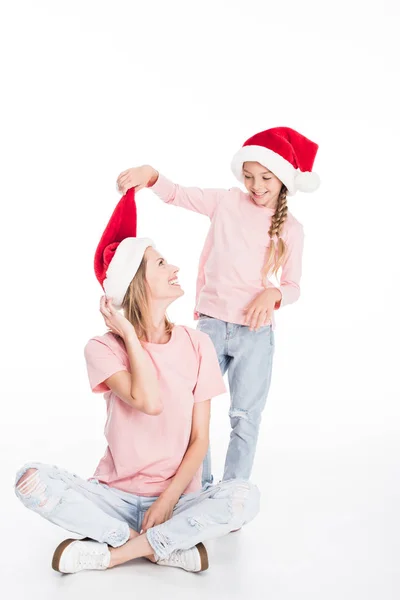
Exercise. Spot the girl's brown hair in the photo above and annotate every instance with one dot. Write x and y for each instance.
(277, 252)
(136, 305)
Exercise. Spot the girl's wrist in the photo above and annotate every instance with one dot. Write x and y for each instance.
(153, 176)
(275, 291)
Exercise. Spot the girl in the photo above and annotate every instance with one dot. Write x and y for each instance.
(145, 498)
(252, 237)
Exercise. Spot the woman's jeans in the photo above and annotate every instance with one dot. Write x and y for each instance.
(247, 356)
(105, 514)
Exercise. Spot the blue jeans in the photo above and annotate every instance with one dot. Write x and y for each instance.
(247, 356)
(105, 514)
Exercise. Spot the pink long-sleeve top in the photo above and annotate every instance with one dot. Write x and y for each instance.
(235, 249)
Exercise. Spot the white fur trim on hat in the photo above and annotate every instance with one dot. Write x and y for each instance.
(124, 266)
(292, 178)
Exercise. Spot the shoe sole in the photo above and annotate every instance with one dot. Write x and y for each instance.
(55, 563)
(203, 557)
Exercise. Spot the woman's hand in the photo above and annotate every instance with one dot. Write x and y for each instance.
(159, 512)
(259, 311)
(115, 321)
(137, 177)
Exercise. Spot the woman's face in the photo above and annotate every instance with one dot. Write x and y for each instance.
(263, 186)
(161, 277)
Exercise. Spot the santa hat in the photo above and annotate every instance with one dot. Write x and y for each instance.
(285, 152)
(120, 252)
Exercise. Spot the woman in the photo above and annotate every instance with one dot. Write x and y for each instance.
(145, 498)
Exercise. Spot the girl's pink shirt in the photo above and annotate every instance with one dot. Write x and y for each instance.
(235, 250)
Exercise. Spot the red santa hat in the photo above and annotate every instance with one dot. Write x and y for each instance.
(120, 252)
(285, 152)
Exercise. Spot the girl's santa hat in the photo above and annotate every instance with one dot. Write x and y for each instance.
(288, 154)
(120, 252)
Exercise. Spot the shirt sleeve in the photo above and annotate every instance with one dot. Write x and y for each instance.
(210, 382)
(203, 201)
(101, 363)
(292, 267)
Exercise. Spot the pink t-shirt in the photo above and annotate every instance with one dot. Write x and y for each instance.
(144, 452)
(235, 249)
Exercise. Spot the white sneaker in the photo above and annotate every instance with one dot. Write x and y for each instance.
(193, 560)
(72, 556)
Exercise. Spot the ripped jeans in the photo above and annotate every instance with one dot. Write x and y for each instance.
(247, 356)
(95, 510)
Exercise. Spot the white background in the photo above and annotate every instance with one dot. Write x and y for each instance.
(91, 88)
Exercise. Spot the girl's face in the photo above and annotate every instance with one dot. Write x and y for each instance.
(263, 186)
(161, 277)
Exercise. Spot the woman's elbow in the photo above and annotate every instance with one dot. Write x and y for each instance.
(147, 405)
(152, 406)
(154, 411)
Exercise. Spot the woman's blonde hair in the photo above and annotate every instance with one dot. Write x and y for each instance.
(277, 252)
(136, 305)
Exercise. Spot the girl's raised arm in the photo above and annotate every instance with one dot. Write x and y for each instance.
(203, 201)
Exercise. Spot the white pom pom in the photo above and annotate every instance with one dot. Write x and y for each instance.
(306, 181)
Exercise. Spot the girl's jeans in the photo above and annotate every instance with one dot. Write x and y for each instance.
(247, 356)
(105, 514)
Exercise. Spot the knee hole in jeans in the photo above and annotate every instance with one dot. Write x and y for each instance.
(31, 487)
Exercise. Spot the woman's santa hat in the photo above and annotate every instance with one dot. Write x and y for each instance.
(288, 154)
(120, 252)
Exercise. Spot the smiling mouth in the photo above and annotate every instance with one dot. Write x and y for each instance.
(174, 282)
(259, 195)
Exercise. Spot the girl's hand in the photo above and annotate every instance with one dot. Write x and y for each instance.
(114, 320)
(159, 512)
(137, 177)
(259, 311)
